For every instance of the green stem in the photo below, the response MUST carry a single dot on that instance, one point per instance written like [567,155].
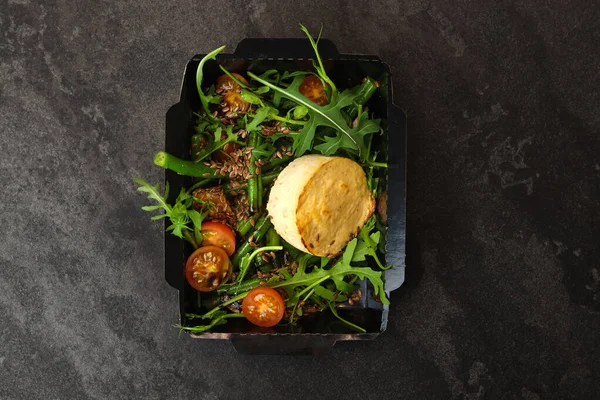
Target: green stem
[188,236]
[204,328]
[236,80]
[350,324]
[199,77]
[313,285]
[252,255]
[266,248]
[377,164]
[228,302]
[286,120]
[245,286]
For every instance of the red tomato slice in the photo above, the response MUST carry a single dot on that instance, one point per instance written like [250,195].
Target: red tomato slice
[263,306]
[207,268]
[312,88]
[218,234]
[231,92]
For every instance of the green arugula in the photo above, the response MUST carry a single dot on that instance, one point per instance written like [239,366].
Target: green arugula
[245,263]
[261,115]
[180,214]
[368,243]
[340,270]
[217,141]
[217,319]
[306,284]
[329,115]
[331,90]
[233,78]
[204,99]
[250,97]
[265,150]
[345,321]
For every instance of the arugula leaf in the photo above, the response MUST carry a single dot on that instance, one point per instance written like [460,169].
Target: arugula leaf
[219,318]
[264,150]
[328,294]
[319,68]
[261,90]
[196,219]
[368,243]
[333,143]
[250,97]
[261,114]
[337,273]
[200,75]
[180,214]
[329,115]
[217,142]
[288,74]
[363,248]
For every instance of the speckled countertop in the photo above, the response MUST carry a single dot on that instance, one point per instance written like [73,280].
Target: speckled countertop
[503,279]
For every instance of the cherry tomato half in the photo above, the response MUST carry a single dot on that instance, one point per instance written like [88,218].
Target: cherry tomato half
[312,88]
[208,268]
[263,306]
[224,82]
[218,234]
[231,92]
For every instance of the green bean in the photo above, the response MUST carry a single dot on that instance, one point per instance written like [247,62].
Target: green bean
[292,251]
[276,162]
[365,91]
[245,226]
[267,179]
[253,189]
[259,189]
[273,238]
[261,228]
[184,167]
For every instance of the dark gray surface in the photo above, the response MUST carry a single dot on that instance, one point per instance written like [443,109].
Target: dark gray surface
[502,299]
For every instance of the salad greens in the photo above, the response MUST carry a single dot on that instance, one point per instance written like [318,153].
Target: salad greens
[276,123]
[180,214]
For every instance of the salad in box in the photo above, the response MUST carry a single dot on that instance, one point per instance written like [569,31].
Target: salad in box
[284,195]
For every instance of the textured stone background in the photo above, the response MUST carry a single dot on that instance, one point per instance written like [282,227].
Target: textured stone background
[503,292]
